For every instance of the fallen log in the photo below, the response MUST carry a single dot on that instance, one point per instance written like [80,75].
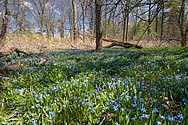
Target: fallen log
[19,51]
[116,43]
[121,44]
[3,54]
[11,67]
[11,51]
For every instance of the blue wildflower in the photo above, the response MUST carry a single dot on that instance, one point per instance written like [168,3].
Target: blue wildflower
[155,110]
[126,84]
[64,106]
[51,114]
[88,123]
[143,110]
[134,118]
[180,117]
[120,99]
[144,116]
[126,117]
[109,97]
[92,111]
[126,96]
[38,106]
[171,118]
[97,120]
[122,109]
[162,117]
[117,123]
[115,107]
[98,97]
[134,105]
[16,112]
[56,88]
[185,101]
[113,79]
[183,89]
[177,77]
[34,122]
[158,123]
[141,99]
[106,103]
[164,105]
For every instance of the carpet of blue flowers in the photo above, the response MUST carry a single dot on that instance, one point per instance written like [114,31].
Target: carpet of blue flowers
[113,87]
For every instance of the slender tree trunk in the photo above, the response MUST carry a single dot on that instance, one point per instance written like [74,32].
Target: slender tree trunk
[135,27]
[83,21]
[75,20]
[105,21]
[183,39]
[62,32]
[91,20]
[149,20]
[156,21]
[5,22]
[162,22]
[127,23]
[182,24]
[98,5]
[124,24]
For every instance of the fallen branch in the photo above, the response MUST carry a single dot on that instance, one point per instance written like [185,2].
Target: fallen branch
[118,43]
[3,54]
[11,67]
[41,61]
[18,51]
[13,50]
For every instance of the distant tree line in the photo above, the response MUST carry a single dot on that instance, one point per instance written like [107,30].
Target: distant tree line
[124,20]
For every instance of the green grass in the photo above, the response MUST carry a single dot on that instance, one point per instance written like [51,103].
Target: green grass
[116,86]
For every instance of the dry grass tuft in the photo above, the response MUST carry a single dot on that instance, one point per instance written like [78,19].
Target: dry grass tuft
[36,43]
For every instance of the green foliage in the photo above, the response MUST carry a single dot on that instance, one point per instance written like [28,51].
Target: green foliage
[117,86]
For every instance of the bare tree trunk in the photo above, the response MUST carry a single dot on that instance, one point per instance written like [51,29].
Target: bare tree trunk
[127,23]
[105,20]
[162,22]
[5,22]
[124,24]
[91,20]
[83,21]
[62,32]
[75,20]
[182,24]
[98,6]
[156,21]
[135,24]
[183,39]
[149,20]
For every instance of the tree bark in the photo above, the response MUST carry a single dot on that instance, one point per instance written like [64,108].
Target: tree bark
[75,20]
[149,21]
[182,24]
[162,22]
[98,5]
[121,44]
[5,22]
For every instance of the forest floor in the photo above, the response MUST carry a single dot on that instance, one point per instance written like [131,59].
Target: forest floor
[116,86]
[38,44]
